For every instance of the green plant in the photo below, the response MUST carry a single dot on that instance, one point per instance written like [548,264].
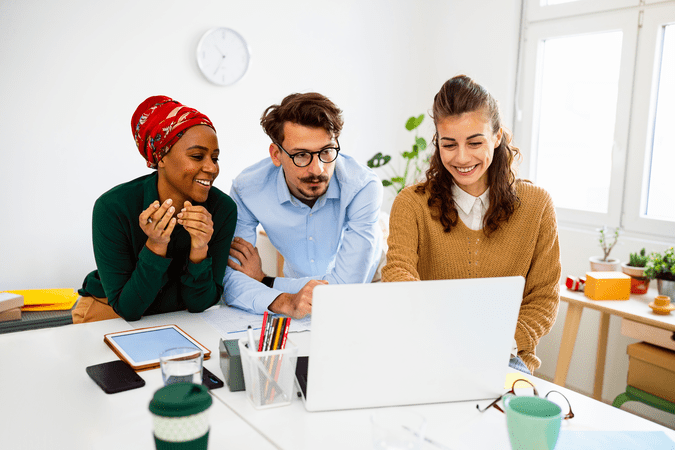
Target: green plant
[638,259]
[661,265]
[605,238]
[415,162]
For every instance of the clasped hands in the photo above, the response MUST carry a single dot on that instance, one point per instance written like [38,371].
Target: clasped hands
[158,222]
[296,306]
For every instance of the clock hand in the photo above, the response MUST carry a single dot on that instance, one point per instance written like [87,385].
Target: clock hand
[219,65]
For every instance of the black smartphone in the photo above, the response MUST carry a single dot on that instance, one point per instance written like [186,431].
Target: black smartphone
[115,376]
[210,380]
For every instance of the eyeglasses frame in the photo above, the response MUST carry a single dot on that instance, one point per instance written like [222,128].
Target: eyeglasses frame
[536,393]
[311,154]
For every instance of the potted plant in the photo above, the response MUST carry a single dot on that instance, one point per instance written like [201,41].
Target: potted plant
[635,267]
[608,239]
[416,160]
[662,267]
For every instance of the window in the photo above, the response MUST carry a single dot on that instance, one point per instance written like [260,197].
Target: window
[596,106]
[660,193]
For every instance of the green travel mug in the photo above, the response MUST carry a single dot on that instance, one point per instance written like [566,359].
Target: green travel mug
[533,422]
[180,417]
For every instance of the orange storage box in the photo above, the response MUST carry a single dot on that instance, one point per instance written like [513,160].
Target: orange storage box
[652,369]
[607,286]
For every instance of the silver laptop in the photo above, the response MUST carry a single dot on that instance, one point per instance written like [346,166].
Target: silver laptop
[386,344]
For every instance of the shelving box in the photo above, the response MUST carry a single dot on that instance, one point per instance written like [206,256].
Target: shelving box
[652,369]
[607,286]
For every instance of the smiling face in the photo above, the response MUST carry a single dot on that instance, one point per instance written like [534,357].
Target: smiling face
[187,172]
[309,183]
[466,147]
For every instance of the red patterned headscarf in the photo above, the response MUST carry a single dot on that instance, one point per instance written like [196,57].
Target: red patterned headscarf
[159,122]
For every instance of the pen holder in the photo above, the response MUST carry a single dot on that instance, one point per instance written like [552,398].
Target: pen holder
[269,376]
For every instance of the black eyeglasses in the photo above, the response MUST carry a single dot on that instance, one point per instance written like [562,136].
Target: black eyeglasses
[525,391]
[304,158]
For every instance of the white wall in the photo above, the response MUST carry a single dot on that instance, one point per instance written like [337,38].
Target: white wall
[72,73]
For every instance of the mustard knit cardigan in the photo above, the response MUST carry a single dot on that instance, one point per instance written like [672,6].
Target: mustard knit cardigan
[526,245]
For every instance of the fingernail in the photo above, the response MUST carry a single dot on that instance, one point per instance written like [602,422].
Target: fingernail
[180,215]
[168,201]
[172,209]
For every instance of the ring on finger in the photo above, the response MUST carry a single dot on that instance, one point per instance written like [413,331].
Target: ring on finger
[149,219]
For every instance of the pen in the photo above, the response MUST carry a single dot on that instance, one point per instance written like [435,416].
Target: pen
[251,339]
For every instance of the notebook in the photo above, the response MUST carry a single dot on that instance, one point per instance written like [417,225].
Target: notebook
[387,344]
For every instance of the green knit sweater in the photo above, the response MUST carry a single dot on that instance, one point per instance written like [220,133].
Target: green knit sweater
[138,282]
[526,245]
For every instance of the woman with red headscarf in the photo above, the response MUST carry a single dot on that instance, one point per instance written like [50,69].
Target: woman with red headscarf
[161,241]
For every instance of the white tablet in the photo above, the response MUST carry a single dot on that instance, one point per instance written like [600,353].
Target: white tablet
[141,348]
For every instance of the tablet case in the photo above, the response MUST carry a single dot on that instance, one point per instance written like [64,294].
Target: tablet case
[106,339]
[115,376]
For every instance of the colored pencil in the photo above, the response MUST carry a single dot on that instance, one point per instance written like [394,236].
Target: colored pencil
[262,332]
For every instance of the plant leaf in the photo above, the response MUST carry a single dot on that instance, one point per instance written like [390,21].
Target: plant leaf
[398,179]
[386,183]
[378,160]
[410,124]
[414,122]
[421,143]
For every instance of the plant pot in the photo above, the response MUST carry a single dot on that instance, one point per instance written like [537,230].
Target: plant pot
[639,284]
[598,265]
[666,287]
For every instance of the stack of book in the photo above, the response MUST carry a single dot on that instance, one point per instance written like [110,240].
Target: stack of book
[10,306]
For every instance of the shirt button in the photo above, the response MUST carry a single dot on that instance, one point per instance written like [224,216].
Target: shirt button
[311,260]
[310,238]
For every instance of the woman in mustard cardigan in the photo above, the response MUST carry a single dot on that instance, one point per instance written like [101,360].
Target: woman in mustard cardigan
[472,218]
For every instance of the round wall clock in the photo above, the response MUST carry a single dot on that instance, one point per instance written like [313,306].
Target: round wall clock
[223,56]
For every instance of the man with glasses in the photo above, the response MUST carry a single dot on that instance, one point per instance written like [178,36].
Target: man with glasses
[319,207]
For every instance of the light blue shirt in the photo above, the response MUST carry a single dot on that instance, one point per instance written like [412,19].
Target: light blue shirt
[338,240]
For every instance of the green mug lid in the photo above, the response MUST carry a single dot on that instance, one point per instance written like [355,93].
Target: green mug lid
[180,399]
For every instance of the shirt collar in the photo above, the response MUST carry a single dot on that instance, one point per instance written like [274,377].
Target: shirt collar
[465,201]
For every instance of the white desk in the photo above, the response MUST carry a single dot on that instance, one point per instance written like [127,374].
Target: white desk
[455,425]
[50,402]
[47,400]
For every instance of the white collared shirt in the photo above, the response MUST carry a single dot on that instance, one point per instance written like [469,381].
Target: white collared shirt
[471,211]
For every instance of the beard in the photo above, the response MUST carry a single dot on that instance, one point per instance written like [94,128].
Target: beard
[313,192]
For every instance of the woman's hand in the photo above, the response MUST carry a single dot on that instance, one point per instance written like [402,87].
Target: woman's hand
[197,221]
[157,223]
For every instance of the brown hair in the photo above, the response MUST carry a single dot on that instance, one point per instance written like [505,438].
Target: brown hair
[457,96]
[310,109]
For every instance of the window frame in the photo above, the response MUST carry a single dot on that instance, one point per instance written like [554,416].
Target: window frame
[642,126]
[527,125]
[537,12]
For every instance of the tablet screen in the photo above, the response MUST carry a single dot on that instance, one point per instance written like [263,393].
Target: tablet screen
[147,345]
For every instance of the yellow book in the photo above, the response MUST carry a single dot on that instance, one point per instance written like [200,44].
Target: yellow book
[47,299]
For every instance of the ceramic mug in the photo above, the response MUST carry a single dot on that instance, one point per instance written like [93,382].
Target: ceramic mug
[533,422]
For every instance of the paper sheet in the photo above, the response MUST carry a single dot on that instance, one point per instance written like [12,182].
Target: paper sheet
[615,440]
[227,321]
[47,299]
[513,376]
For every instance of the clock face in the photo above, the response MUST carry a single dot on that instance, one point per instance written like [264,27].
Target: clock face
[223,56]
